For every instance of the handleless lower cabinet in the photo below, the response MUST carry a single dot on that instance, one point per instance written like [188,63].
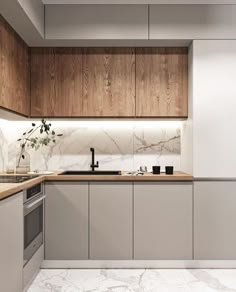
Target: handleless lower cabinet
[66,221]
[162,221]
[111,220]
[214,220]
[11,244]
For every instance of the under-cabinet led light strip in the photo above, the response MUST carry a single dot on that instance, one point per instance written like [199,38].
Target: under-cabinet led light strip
[108,124]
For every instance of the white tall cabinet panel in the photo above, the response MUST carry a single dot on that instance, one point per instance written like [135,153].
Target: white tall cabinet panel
[214,108]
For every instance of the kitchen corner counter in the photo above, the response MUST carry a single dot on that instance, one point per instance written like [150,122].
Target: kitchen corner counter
[8,189]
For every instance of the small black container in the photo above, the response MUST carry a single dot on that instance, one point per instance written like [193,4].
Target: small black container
[156,169]
[169,169]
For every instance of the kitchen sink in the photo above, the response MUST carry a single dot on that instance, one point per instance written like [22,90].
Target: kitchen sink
[90,172]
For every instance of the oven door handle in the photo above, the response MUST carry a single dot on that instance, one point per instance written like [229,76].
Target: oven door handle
[28,206]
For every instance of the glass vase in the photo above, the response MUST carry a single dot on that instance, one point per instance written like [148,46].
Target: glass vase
[23,162]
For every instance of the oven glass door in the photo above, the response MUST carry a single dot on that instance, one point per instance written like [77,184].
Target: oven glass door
[33,229]
[33,225]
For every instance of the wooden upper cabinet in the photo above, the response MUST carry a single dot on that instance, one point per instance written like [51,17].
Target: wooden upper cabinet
[14,71]
[72,82]
[161,82]
[109,82]
[56,82]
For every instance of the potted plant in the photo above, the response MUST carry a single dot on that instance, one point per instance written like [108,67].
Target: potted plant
[38,136]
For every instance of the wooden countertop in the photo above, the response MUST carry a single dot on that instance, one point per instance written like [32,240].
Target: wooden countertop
[177,176]
[8,189]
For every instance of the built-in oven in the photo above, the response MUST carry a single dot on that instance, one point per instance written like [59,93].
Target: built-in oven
[33,220]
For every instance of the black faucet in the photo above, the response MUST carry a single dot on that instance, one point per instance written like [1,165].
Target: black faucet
[93,166]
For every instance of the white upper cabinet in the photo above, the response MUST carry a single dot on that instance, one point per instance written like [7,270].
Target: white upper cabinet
[192,22]
[96,22]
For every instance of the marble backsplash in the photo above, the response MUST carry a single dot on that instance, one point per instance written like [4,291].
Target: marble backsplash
[120,145]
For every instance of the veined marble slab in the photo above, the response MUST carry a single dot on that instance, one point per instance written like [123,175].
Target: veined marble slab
[135,280]
[122,145]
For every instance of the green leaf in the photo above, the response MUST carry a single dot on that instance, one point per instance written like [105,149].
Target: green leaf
[53,133]
[18,140]
[23,156]
[30,131]
[59,135]
[33,124]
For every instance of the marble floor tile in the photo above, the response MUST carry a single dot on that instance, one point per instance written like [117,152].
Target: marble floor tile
[134,280]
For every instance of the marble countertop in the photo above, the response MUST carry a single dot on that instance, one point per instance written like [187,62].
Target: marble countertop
[8,189]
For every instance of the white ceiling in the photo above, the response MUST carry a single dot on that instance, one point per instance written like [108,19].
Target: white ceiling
[139,1]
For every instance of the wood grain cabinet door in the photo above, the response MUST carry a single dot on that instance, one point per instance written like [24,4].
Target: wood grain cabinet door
[109,82]
[14,71]
[161,82]
[56,82]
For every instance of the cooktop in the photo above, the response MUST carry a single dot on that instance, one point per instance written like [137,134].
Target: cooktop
[15,178]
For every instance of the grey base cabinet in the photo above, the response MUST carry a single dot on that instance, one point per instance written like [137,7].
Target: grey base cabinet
[32,268]
[215,220]
[162,221]
[11,244]
[110,219]
[66,221]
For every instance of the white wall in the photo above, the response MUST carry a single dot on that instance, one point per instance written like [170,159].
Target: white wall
[214,108]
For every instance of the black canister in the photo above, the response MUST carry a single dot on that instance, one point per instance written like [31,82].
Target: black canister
[169,169]
[156,169]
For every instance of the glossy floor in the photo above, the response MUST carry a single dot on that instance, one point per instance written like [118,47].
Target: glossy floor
[126,280]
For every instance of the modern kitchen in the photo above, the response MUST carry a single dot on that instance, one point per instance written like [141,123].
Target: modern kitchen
[117,148]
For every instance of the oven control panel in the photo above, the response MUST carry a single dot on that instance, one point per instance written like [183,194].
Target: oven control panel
[33,191]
